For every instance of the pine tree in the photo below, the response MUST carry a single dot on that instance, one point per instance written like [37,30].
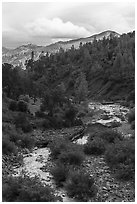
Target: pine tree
[81,88]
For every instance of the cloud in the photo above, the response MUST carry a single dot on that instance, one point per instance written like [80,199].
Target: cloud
[55,28]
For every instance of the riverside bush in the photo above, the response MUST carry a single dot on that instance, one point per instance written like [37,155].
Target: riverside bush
[66,152]
[8,147]
[131,116]
[110,136]
[57,146]
[26,141]
[80,185]
[25,189]
[72,156]
[95,147]
[22,122]
[22,106]
[133,125]
[121,156]
[13,106]
[60,173]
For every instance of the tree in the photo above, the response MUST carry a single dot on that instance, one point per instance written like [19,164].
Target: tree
[81,88]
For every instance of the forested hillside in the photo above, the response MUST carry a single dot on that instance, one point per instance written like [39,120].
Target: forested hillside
[68,125]
[105,69]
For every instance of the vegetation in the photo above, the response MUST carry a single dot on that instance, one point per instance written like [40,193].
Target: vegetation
[131,116]
[63,81]
[60,173]
[22,122]
[8,147]
[95,147]
[121,158]
[80,185]
[25,189]
[104,69]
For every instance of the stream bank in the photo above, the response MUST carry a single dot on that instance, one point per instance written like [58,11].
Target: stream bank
[109,189]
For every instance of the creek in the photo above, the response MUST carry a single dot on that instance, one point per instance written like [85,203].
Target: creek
[34,161]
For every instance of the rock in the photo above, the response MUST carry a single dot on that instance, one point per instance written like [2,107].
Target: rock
[104,188]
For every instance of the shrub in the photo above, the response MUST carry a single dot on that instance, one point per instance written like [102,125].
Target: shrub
[40,114]
[22,122]
[60,173]
[95,147]
[110,136]
[24,98]
[72,156]
[133,125]
[26,141]
[131,116]
[70,114]
[46,123]
[131,96]
[78,122]
[13,106]
[25,189]
[8,147]
[125,172]
[22,106]
[105,117]
[57,146]
[121,156]
[27,127]
[115,124]
[80,185]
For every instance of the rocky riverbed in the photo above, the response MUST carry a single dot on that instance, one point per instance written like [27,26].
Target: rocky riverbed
[38,162]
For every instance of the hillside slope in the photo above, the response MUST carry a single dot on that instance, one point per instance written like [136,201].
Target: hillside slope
[19,55]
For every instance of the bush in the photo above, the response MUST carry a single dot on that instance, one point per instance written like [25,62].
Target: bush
[24,98]
[60,173]
[46,124]
[40,114]
[27,127]
[22,106]
[71,156]
[70,114]
[57,146]
[133,125]
[22,122]
[25,189]
[78,122]
[13,106]
[26,141]
[95,147]
[131,116]
[110,136]
[8,147]
[115,124]
[105,117]
[131,96]
[80,185]
[121,156]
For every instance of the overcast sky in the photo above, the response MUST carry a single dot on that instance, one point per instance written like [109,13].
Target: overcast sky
[48,22]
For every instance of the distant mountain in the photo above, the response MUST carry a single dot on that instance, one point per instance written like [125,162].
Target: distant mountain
[19,55]
[68,44]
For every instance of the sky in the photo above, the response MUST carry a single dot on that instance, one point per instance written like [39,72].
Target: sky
[43,23]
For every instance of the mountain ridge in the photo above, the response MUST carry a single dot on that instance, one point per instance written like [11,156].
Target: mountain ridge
[19,55]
